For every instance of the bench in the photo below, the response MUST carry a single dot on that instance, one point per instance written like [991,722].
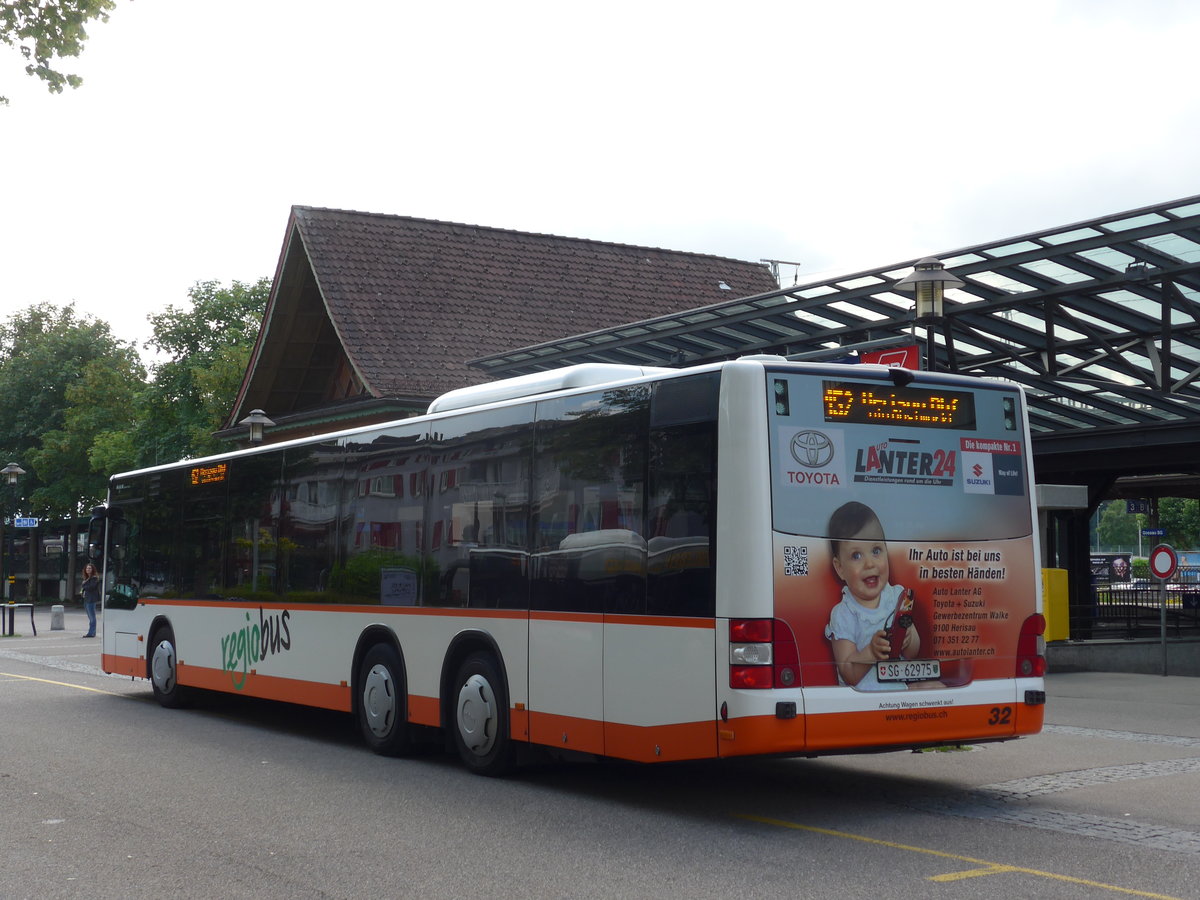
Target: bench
[8,621]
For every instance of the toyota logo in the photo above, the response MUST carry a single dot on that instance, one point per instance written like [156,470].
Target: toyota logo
[812,449]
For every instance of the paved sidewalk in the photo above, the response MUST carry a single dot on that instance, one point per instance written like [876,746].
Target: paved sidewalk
[75,625]
[1146,704]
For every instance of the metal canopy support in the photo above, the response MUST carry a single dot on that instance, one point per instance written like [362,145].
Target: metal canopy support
[1097,319]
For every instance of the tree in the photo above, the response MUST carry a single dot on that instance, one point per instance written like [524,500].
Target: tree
[209,346]
[75,460]
[45,31]
[1118,529]
[64,379]
[1180,516]
[66,386]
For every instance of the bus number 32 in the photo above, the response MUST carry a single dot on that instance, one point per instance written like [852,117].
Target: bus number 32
[1000,715]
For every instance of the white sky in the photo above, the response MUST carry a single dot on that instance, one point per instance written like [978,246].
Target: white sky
[843,135]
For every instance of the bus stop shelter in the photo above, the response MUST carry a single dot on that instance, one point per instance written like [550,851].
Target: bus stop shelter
[1098,320]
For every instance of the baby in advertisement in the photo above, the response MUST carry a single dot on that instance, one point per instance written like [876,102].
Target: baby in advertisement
[872,622]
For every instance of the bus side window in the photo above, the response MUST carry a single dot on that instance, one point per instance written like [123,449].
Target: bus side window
[308,520]
[590,487]
[682,490]
[479,514]
[380,554]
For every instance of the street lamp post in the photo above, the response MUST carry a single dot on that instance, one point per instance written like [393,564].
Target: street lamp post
[928,282]
[12,473]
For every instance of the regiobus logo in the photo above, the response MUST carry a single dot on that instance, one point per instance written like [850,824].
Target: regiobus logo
[818,454]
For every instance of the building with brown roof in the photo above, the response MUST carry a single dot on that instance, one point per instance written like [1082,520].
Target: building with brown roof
[371,316]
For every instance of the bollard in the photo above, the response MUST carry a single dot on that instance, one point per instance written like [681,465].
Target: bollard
[56,618]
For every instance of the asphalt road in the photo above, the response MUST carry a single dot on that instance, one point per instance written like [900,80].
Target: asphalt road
[105,795]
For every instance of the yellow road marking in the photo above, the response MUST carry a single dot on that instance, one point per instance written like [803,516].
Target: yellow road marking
[985,867]
[61,684]
[972,873]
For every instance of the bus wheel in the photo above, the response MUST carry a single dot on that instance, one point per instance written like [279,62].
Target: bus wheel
[381,716]
[164,670]
[481,730]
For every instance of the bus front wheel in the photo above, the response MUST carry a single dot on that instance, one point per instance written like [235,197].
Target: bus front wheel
[381,702]
[164,670]
[481,720]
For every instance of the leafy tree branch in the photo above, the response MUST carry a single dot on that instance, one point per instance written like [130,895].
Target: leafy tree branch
[45,31]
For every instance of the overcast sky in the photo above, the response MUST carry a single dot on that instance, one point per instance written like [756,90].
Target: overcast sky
[841,135]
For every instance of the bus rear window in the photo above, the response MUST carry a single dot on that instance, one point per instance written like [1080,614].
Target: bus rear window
[936,461]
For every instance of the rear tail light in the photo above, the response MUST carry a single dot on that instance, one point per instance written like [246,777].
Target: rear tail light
[762,654]
[1031,648]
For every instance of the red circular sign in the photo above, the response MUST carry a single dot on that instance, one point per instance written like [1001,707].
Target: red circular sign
[1163,562]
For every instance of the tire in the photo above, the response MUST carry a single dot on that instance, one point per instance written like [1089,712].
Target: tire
[382,716]
[481,717]
[164,670]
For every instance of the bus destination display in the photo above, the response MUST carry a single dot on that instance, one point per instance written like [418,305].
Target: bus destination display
[885,404]
[209,474]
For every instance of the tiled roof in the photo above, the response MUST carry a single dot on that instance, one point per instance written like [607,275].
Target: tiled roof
[413,299]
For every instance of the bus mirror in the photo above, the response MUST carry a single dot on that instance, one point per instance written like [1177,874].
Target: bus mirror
[118,536]
[95,540]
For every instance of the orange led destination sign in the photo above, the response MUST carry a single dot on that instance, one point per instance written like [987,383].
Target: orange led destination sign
[877,404]
[210,474]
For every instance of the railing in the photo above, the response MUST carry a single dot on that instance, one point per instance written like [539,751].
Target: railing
[1137,608]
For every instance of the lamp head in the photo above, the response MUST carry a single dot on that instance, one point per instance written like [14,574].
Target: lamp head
[928,282]
[256,422]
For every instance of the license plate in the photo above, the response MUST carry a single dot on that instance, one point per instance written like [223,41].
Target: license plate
[908,670]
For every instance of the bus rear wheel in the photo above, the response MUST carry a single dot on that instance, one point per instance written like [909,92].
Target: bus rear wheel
[381,702]
[481,719]
[164,670]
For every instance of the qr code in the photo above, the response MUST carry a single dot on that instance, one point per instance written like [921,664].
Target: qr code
[795,560]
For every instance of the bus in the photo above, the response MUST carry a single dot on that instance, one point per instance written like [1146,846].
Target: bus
[620,561]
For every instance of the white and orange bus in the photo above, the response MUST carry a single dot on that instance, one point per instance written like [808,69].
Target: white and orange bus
[637,563]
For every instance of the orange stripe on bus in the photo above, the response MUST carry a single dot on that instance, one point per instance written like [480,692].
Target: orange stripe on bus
[268,687]
[877,728]
[607,619]
[135,667]
[518,724]
[655,743]
[567,732]
[424,710]
[339,607]
[537,615]
[456,611]
[662,621]
[661,743]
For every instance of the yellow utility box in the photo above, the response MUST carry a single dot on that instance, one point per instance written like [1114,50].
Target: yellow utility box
[1054,604]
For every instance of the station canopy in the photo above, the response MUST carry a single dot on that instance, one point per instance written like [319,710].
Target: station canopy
[1098,320]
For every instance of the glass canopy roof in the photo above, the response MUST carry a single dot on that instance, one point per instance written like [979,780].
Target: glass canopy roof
[1098,320]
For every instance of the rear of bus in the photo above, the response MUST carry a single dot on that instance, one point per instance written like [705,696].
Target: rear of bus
[901,605]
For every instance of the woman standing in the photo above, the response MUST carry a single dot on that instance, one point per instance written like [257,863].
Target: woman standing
[90,590]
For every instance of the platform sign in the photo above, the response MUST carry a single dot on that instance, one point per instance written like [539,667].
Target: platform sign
[25,522]
[1163,562]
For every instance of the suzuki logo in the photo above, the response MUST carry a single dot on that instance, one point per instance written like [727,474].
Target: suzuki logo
[812,449]
[977,470]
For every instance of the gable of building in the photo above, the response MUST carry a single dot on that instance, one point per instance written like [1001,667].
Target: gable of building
[374,315]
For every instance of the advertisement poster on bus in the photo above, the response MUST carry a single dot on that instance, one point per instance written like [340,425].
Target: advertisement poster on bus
[903,542]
